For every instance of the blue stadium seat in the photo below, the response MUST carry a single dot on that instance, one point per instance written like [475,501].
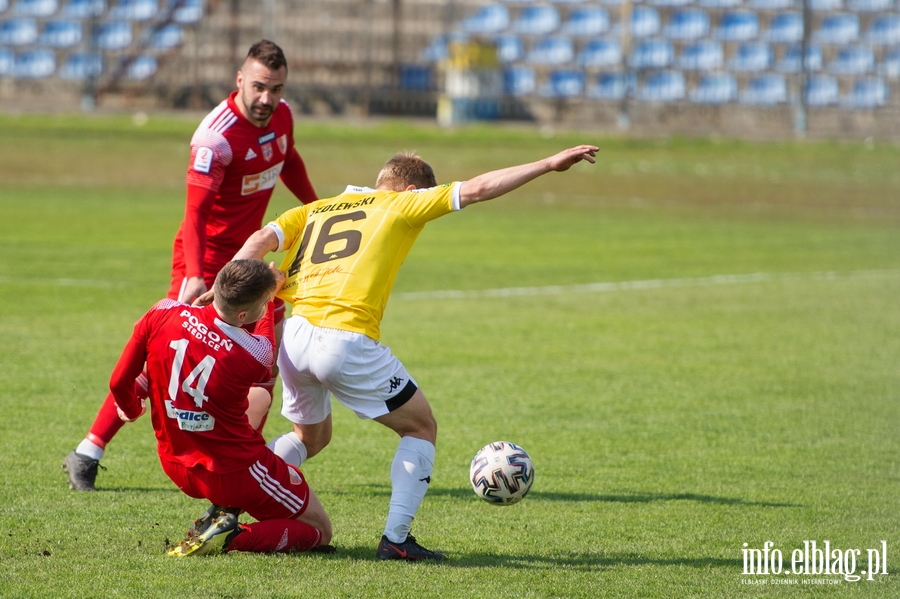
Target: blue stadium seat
[18,32]
[7,60]
[585,21]
[687,24]
[866,93]
[738,26]
[853,60]
[519,81]
[751,57]
[644,21]
[600,53]
[34,64]
[80,66]
[772,5]
[142,68]
[662,86]
[489,19]
[611,86]
[555,50]
[869,5]
[415,77]
[837,29]
[720,88]
[563,84]
[785,28]
[791,62]
[821,90]
[539,19]
[134,10]
[189,12]
[704,55]
[652,54]
[168,37]
[718,4]
[113,35]
[61,34]
[509,48]
[83,9]
[884,30]
[890,65]
[765,90]
[35,8]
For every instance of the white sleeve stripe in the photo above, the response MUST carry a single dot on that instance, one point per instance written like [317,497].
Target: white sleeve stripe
[456,189]
[279,234]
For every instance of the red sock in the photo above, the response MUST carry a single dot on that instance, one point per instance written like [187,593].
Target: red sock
[107,423]
[275,536]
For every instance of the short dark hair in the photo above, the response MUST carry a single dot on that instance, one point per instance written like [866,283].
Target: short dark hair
[241,284]
[406,168]
[268,54]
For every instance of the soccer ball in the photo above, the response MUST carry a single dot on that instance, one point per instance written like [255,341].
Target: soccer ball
[501,473]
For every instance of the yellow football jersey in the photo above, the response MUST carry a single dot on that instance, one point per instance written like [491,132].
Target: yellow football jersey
[343,253]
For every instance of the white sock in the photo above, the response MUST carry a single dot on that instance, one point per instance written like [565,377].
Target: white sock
[290,448]
[91,450]
[410,475]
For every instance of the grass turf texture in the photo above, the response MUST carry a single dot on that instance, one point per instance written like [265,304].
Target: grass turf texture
[670,421]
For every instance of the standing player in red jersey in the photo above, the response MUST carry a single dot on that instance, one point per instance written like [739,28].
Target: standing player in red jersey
[238,153]
[200,365]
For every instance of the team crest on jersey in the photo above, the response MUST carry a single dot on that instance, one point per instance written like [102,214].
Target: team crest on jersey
[267,152]
[282,144]
[296,479]
[250,154]
[203,159]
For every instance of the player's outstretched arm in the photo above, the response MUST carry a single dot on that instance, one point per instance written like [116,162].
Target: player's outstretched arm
[257,246]
[496,183]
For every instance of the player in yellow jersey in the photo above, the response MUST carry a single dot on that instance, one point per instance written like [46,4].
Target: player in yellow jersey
[343,255]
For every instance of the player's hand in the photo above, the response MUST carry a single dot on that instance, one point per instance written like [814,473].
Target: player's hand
[125,418]
[565,159]
[205,299]
[279,276]
[194,287]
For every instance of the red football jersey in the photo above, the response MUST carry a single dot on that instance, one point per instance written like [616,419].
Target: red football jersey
[237,164]
[200,370]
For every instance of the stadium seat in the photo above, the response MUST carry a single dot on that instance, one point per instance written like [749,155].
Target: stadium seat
[80,66]
[415,77]
[568,1]
[189,12]
[687,24]
[853,60]
[142,68]
[554,50]
[7,60]
[61,34]
[518,81]
[821,90]
[34,64]
[19,31]
[785,28]
[720,88]
[791,62]
[599,53]
[765,90]
[83,9]
[869,5]
[890,65]
[509,48]
[134,10]
[611,86]
[866,93]
[539,19]
[773,5]
[704,55]
[168,37]
[113,35]
[662,86]
[563,84]
[652,54]
[586,21]
[738,26]
[35,8]
[837,29]
[825,5]
[644,21]
[884,30]
[670,3]
[489,19]
[718,4]
[751,57]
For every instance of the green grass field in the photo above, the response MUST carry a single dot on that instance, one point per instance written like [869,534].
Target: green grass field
[697,341]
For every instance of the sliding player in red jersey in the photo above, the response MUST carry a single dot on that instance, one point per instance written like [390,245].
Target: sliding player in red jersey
[200,365]
[238,153]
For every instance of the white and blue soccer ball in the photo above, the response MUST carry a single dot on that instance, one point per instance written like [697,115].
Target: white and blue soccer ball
[501,473]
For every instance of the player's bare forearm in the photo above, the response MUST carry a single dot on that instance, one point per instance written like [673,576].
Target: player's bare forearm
[497,183]
[258,245]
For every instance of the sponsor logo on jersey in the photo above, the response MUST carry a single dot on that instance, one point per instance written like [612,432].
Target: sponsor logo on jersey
[189,420]
[260,181]
[267,152]
[266,138]
[203,159]
[282,143]
[250,154]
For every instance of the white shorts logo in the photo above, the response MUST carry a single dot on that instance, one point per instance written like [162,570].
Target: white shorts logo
[264,180]
[203,159]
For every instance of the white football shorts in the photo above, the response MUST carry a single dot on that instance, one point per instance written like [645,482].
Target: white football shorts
[361,373]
